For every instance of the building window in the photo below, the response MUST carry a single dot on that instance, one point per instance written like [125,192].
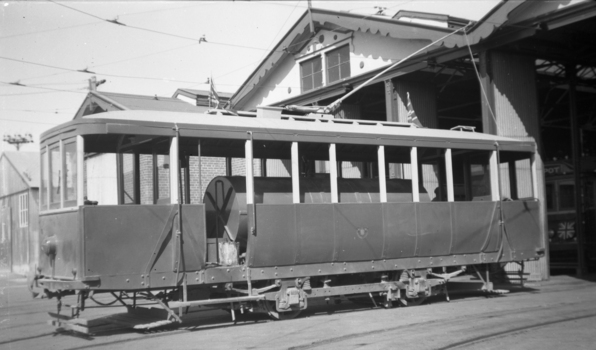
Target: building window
[311,72]
[24,210]
[338,64]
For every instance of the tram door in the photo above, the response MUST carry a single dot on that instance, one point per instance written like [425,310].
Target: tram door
[562,231]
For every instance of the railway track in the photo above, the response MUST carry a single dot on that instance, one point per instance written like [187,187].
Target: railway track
[465,323]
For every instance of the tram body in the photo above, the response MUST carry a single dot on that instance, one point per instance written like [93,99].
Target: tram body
[423,203]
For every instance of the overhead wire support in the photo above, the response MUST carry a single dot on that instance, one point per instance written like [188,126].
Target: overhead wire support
[199,40]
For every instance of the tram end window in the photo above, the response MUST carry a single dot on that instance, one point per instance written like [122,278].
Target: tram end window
[55,176]
[70,173]
[398,172]
[516,177]
[471,175]
[44,180]
[432,174]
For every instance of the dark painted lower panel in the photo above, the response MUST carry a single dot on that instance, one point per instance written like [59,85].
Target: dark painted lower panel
[63,230]
[359,231]
[522,222]
[121,240]
[475,227]
[434,229]
[400,230]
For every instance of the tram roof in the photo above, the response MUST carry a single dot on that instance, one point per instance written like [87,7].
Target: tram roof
[287,128]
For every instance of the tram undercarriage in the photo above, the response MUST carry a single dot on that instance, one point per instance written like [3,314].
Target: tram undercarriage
[280,299]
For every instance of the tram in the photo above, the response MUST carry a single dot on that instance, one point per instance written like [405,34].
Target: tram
[564,246]
[287,222]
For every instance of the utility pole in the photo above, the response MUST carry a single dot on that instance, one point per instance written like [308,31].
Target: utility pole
[18,139]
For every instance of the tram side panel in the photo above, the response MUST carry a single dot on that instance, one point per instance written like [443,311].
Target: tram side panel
[61,245]
[522,225]
[301,234]
[124,247]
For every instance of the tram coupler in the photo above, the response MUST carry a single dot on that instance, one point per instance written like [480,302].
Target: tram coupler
[290,297]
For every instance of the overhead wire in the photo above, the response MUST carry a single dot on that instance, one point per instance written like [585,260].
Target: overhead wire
[114,62]
[163,79]
[29,121]
[260,59]
[199,40]
[39,87]
[47,30]
[28,93]
[33,111]
[87,24]
[86,71]
[136,77]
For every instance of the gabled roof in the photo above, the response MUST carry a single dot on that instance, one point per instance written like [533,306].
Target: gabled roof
[192,93]
[97,102]
[300,34]
[26,164]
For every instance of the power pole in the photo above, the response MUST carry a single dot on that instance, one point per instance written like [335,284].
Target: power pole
[18,139]
[93,83]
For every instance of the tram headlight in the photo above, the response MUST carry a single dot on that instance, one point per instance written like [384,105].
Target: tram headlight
[49,246]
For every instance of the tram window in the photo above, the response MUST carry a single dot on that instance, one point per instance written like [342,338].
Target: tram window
[321,167]
[278,168]
[70,171]
[128,178]
[44,180]
[162,179]
[101,178]
[55,176]
[471,175]
[239,167]
[146,178]
[516,175]
[566,196]
[399,176]
[353,170]
[399,171]
[431,162]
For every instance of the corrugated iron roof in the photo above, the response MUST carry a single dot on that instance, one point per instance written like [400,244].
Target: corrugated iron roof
[155,103]
[26,164]
[99,102]
[203,93]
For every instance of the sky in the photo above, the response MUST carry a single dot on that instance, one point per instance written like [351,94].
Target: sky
[147,48]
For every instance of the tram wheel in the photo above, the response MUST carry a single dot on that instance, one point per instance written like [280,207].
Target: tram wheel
[403,301]
[269,306]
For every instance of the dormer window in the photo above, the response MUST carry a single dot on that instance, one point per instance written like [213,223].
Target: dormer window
[338,64]
[311,72]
